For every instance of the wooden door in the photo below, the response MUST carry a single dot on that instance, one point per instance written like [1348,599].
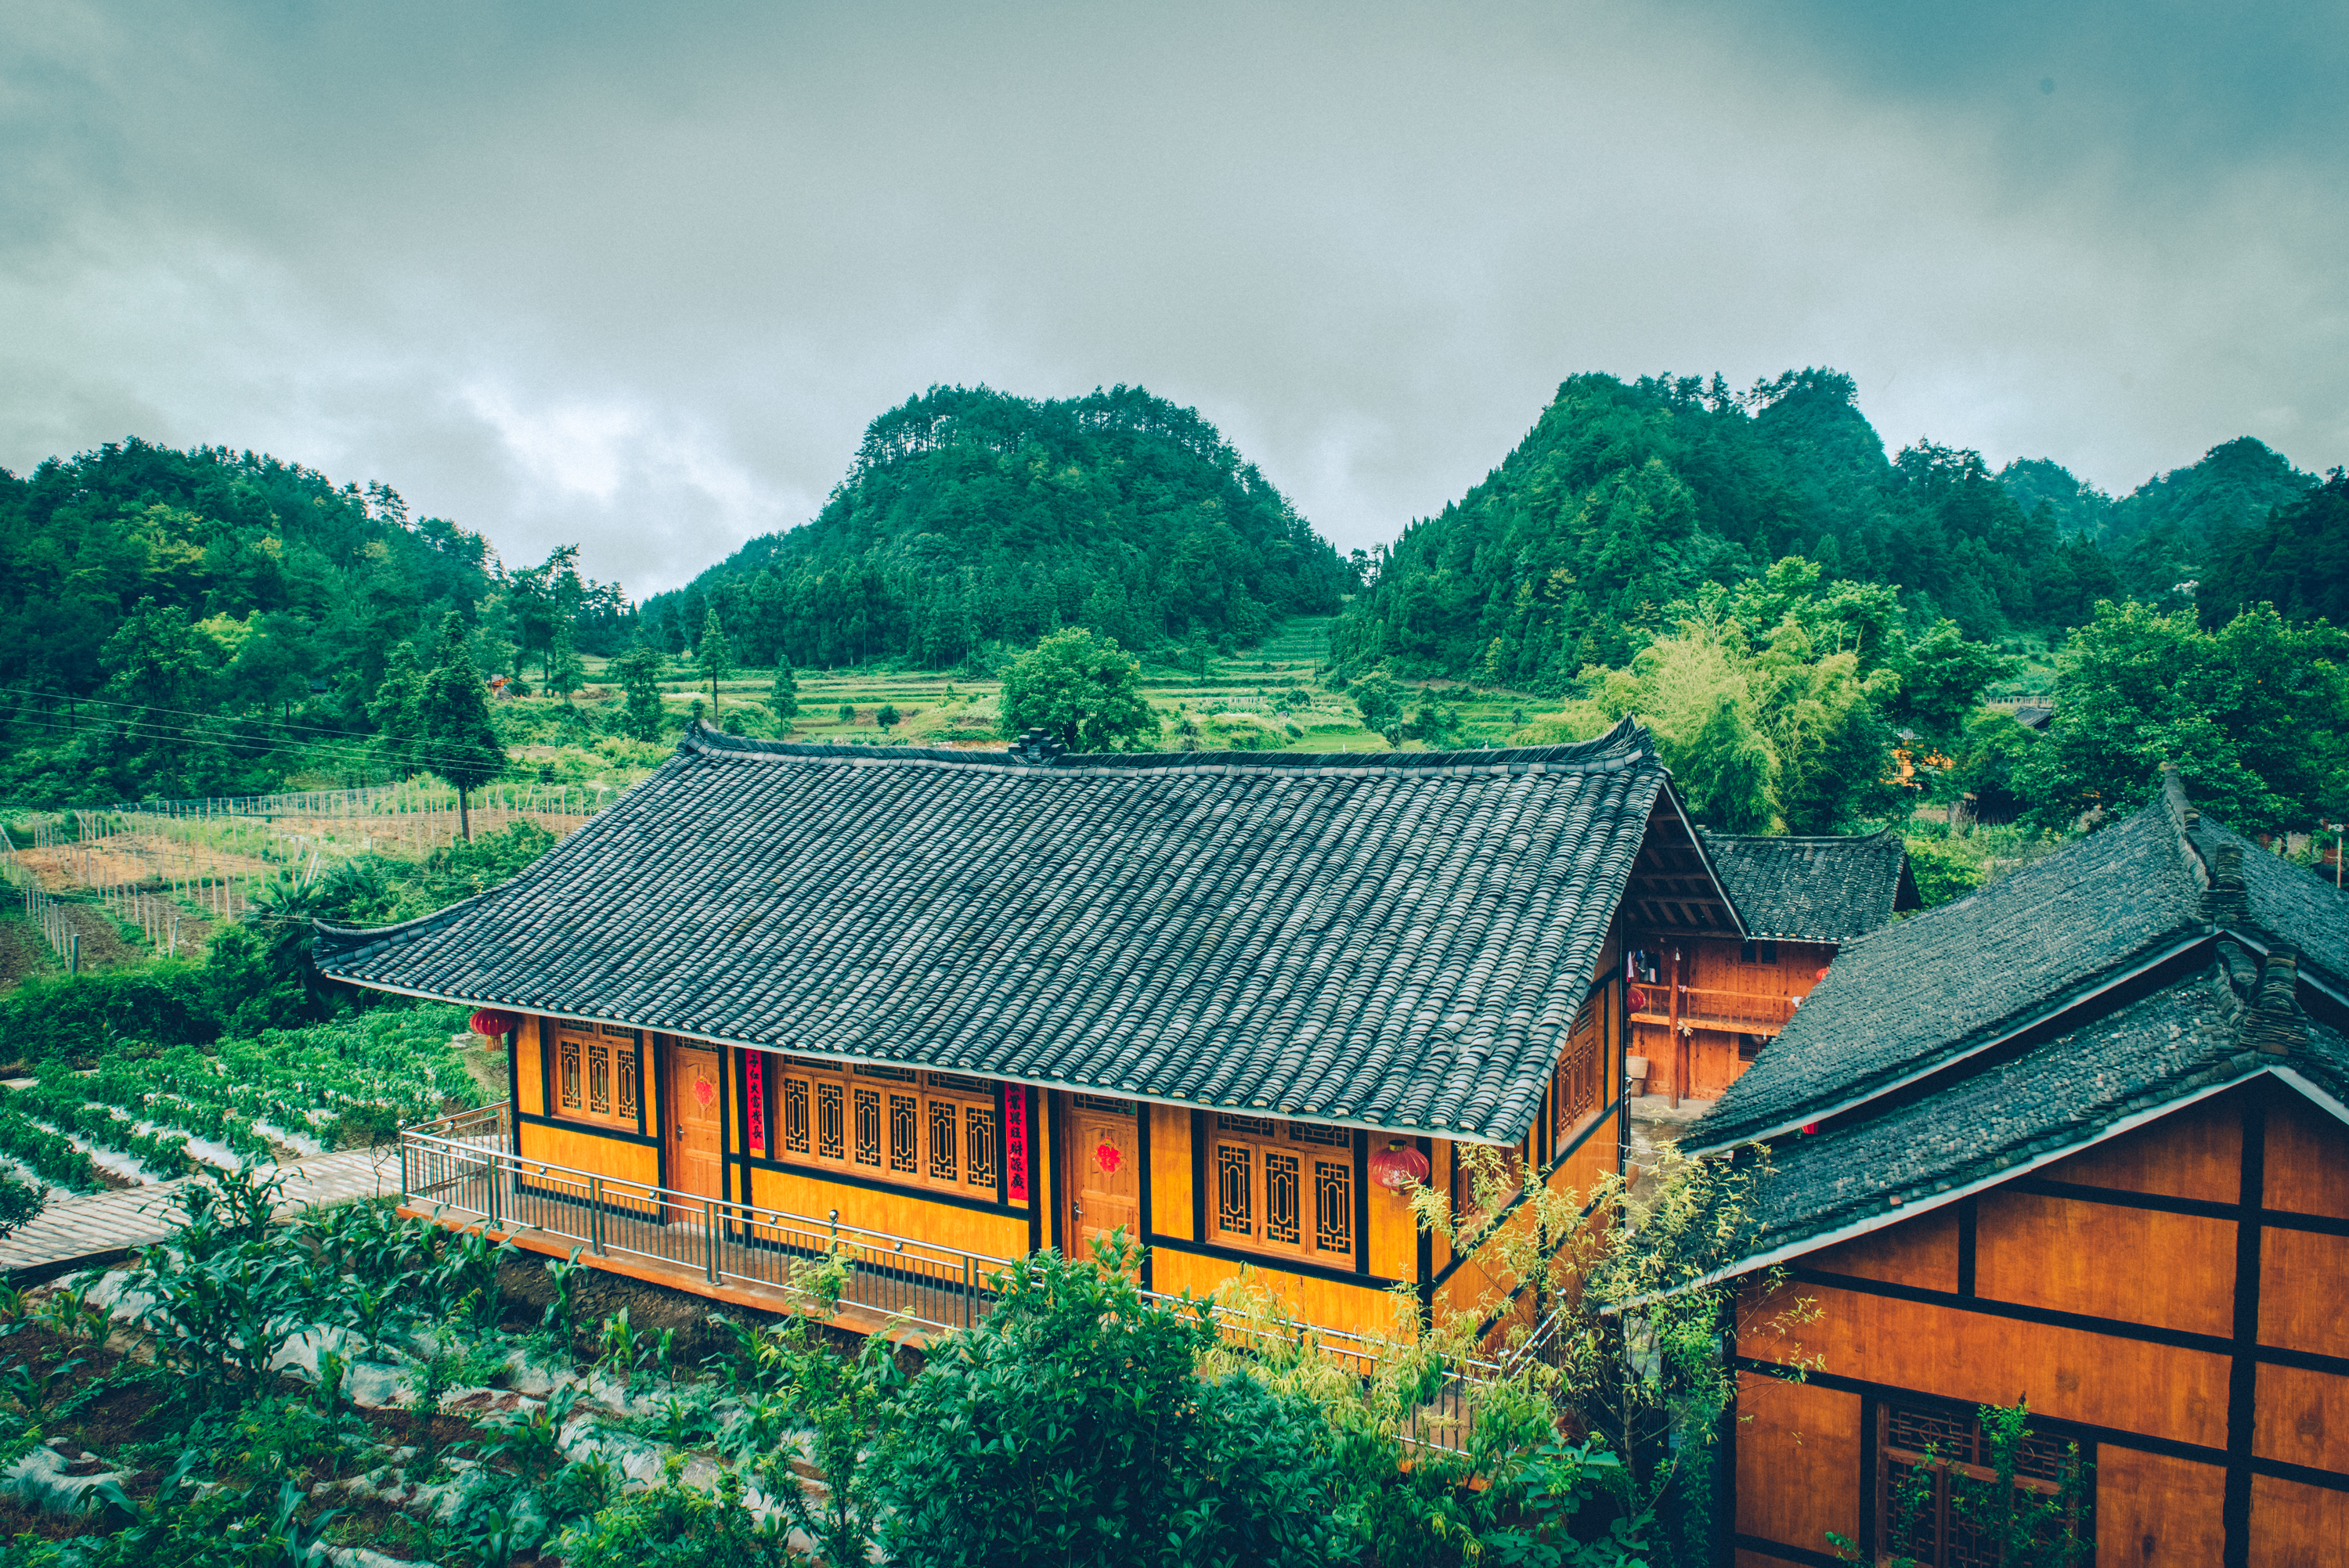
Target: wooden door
[1101,1153]
[694,1109]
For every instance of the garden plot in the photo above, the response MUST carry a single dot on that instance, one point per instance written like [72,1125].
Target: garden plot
[170,1112]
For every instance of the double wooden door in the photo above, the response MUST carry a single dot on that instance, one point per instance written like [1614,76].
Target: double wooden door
[1100,1156]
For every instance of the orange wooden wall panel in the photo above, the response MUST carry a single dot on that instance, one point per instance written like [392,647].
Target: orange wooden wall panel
[1922,1252]
[2154,1511]
[2302,1305]
[898,1214]
[2067,1373]
[2307,1160]
[2138,1265]
[2303,1420]
[1394,1234]
[1358,1309]
[2297,1526]
[1798,1462]
[582,1150]
[1170,1171]
[2193,1153]
[530,1092]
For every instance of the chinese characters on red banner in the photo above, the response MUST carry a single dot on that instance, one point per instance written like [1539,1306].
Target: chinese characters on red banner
[755,1093]
[1015,1143]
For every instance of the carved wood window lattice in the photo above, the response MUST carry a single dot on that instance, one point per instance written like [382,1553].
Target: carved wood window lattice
[1578,1089]
[1285,1187]
[940,1132]
[598,1069]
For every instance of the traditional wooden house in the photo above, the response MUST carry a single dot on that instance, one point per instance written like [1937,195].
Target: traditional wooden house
[1705,1000]
[2076,1139]
[946,1007]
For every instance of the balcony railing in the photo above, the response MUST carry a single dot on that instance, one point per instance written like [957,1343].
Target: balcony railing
[464,1166]
[1733,1012]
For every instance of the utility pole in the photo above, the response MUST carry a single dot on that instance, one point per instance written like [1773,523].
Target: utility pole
[2336,828]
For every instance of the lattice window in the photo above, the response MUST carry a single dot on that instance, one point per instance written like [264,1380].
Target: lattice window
[830,1122]
[795,1117]
[905,1134]
[1234,1190]
[1104,1104]
[598,1071]
[1272,1195]
[1333,1207]
[979,1144]
[941,1133]
[1936,1477]
[1281,1220]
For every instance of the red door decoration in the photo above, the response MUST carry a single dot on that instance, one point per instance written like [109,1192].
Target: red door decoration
[705,1091]
[1015,1143]
[1109,1157]
[489,1021]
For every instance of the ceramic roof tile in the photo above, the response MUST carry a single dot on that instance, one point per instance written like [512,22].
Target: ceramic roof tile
[1813,889]
[1391,940]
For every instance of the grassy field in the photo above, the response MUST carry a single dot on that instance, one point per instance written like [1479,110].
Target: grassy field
[1270,699]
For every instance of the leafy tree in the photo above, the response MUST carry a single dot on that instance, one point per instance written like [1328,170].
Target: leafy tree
[640,673]
[784,697]
[2297,561]
[398,710]
[1942,872]
[1083,688]
[460,743]
[1942,678]
[2255,714]
[712,656]
[887,717]
[847,713]
[565,671]
[1380,702]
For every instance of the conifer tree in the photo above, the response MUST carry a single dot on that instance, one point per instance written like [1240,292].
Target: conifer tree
[639,672]
[397,709]
[714,656]
[784,697]
[458,743]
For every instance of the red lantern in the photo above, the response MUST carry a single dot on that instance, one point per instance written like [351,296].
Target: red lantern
[491,1022]
[1823,972]
[1636,999]
[1397,1166]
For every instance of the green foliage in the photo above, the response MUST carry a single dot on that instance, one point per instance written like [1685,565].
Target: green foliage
[1083,687]
[1070,1427]
[460,745]
[2298,560]
[783,695]
[398,710]
[674,1525]
[974,518]
[1942,873]
[713,656]
[1380,702]
[887,717]
[844,1404]
[2255,714]
[2014,1526]
[168,1002]
[640,672]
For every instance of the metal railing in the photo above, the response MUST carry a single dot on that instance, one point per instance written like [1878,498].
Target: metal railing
[465,1165]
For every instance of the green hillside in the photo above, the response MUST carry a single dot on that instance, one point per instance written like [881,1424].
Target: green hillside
[972,517]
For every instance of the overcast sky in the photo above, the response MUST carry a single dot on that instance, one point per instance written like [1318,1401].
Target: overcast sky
[637,275]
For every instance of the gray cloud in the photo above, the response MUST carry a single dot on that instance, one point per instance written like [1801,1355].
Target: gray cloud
[638,278]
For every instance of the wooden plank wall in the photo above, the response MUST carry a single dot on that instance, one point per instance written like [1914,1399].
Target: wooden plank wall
[2172,1296]
[1712,964]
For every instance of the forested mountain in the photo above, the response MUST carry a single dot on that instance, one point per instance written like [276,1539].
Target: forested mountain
[2165,532]
[974,517]
[1627,497]
[181,620]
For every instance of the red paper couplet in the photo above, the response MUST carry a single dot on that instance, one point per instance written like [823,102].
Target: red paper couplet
[1015,1143]
[755,1091]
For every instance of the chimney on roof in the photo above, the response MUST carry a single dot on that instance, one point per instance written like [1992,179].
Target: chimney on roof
[1040,747]
[2275,1023]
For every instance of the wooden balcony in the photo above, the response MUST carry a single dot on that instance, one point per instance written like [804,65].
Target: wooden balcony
[1726,1012]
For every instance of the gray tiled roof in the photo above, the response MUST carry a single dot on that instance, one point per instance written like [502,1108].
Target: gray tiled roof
[2055,1097]
[1814,889]
[2290,902]
[1944,982]
[1393,940]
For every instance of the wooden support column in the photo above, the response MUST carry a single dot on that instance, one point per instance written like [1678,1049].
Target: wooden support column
[1680,1041]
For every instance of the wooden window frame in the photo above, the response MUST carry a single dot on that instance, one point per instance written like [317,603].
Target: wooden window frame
[1282,1189]
[597,1074]
[1579,1088]
[902,1126]
[1896,1449]
[1764,954]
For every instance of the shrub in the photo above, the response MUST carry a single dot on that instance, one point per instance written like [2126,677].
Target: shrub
[674,1525]
[1070,1428]
[168,1003]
